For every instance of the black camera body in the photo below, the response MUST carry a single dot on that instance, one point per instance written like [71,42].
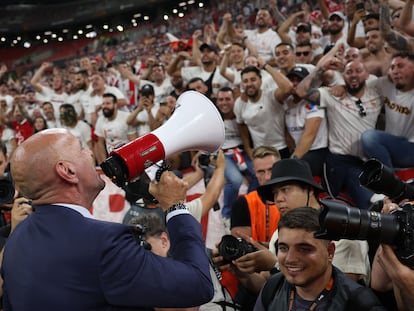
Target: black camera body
[338,221]
[7,190]
[231,248]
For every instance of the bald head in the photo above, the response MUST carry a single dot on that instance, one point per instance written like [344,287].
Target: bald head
[51,167]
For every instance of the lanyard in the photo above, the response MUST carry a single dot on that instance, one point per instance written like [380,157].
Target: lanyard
[320,297]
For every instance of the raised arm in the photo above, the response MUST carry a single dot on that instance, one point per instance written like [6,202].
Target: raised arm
[352,41]
[35,81]
[394,38]
[285,87]
[283,29]
[224,65]
[405,20]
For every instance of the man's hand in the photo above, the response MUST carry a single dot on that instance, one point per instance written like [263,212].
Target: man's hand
[261,260]
[21,209]
[169,191]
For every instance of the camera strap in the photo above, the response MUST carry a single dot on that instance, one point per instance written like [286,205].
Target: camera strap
[324,293]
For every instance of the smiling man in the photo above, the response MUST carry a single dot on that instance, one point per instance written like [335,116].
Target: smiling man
[308,280]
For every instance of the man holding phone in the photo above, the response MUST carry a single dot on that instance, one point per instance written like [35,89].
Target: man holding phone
[143,116]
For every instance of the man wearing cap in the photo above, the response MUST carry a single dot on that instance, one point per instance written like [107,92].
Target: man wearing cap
[336,23]
[307,125]
[292,186]
[143,116]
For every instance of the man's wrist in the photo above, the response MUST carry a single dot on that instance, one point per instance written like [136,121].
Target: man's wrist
[176,209]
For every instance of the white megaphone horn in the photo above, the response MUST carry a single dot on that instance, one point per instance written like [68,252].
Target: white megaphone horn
[196,124]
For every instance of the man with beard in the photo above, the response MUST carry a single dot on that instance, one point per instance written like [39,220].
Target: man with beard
[336,22]
[111,128]
[308,280]
[348,117]
[394,146]
[259,114]
[99,88]
[263,37]
[49,113]
[79,98]
[376,59]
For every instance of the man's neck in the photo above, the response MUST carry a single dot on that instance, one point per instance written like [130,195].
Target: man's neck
[312,291]
[262,29]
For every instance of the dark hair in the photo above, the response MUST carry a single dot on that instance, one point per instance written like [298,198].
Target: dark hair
[153,223]
[226,89]
[285,44]
[69,114]
[193,80]
[404,54]
[304,43]
[306,218]
[82,72]
[111,96]
[251,69]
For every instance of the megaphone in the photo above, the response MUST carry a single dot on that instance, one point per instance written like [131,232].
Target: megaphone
[196,124]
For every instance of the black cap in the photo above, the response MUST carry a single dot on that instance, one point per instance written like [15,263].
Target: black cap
[208,46]
[304,27]
[298,71]
[147,89]
[287,170]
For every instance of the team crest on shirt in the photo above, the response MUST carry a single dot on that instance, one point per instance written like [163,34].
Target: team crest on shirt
[311,107]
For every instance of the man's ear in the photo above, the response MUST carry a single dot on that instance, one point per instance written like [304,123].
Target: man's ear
[331,250]
[66,170]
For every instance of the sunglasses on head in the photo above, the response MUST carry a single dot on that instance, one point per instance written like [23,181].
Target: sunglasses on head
[362,112]
[304,53]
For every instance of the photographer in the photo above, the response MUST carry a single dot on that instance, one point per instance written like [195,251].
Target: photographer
[388,273]
[308,280]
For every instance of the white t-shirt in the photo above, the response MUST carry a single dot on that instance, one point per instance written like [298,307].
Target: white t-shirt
[143,117]
[296,116]
[345,123]
[162,91]
[265,42]
[115,132]
[196,71]
[265,120]
[81,131]
[80,100]
[399,108]
[232,135]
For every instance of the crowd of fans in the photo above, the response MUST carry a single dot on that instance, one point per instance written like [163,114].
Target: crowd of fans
[327,83]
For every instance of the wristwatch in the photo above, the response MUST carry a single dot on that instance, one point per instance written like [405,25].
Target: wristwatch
[176,207]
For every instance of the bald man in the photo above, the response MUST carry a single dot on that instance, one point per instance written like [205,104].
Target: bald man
[61,258]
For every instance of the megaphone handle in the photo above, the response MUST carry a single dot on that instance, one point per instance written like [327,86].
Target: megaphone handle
[164,167]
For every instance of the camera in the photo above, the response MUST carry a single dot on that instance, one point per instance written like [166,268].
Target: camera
[231,248]
[7,190]
[338,221]
[380,179]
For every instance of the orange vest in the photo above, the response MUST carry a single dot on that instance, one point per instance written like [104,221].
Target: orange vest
[264,218]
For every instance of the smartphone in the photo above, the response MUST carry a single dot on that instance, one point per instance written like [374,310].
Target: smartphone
[360,6]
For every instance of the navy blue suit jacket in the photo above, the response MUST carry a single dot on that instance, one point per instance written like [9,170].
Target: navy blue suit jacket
[58,259]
